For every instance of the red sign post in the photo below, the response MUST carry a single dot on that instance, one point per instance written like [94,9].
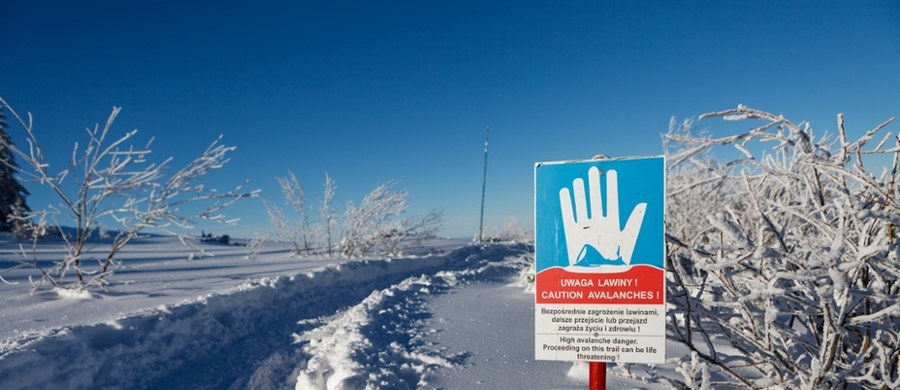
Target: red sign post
[597,376]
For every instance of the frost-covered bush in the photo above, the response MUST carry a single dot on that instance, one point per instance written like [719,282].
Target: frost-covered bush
[375,225]
[784,261]
[108,180]
[298,231]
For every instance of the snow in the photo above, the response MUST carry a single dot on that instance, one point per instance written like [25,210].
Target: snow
[449,315]
[498,336]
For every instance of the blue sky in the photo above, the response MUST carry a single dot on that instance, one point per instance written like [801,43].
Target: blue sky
[377,91]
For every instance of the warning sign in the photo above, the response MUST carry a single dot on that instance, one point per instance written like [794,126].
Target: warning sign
[600,260]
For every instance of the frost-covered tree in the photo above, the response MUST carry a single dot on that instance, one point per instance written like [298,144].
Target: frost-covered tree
[298,232]
[12,194]
[784,260]
[414,230]
[375,224]
[109,180]
[328,214]
[373,221]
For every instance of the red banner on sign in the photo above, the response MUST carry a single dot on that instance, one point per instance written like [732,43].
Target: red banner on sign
[642,284]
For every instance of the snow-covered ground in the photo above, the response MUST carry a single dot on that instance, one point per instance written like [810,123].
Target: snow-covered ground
[449,315]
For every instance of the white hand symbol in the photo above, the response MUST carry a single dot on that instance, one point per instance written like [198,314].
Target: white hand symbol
[598,231]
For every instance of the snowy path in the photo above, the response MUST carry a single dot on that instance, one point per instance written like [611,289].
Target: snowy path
[386,340]
[493,322]
[468,327]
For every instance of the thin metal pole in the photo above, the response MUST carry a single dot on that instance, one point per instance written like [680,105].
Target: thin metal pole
[483,184]
[597,376]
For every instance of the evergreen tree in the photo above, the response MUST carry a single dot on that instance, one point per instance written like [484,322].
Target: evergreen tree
[12,194]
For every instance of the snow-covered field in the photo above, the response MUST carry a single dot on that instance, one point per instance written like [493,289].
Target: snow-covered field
[449,315]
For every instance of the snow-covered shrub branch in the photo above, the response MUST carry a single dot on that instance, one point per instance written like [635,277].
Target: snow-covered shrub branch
[110,179]
[792,281]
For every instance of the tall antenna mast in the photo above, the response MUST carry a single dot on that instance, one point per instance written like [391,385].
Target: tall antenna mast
[483,184]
